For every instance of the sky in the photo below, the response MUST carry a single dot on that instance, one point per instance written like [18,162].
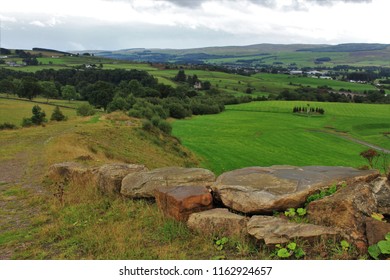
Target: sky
[122,24]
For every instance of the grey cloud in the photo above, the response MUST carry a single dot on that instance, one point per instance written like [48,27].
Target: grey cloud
[330,2]
[297,4]
[266,3]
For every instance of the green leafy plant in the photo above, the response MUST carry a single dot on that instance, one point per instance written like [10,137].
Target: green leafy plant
[345,245]
[323,193]
[220,243]
[381,249]
[377,216]
[296,215]
[290,212]
[291,249]
[301,212]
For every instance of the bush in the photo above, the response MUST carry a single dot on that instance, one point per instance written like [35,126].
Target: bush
[165,127]
[147,125]
[57,115]
[38,115]
[27,122]
[85,110]
[6,125]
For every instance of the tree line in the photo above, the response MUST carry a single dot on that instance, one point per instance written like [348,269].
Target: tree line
[136,92]
[326,94]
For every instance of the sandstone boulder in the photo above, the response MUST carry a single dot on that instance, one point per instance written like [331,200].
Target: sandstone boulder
[182,201]
[381,190]
[218,221]
[347,210]
[376,230]
[144,184]
[110,176]
[265,189]
[274,230]
[73,172]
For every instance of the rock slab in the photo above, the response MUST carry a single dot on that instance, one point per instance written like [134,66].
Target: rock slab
[376,230]
[257,190]
[274,230]
[381,190]
[110,176]
[144,184]
[73,172]
[180,202]
[218,221]
[347,210]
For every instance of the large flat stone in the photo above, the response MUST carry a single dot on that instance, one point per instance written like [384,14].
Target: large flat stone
[110,176]
[218,221]
[265,189]
[73,172]
[182,201]
[144,184]
[274,230]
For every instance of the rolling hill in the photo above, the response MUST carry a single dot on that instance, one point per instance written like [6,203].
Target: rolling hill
[303,55]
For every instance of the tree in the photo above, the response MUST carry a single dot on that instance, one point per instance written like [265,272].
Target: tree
[100,94]
[49,90]
[57,115]
[181,76]
[69,92]
[38,115]
[7,86]
[29,88]
[85,110]
[206,85]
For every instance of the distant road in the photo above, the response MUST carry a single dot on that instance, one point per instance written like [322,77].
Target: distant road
[349,138]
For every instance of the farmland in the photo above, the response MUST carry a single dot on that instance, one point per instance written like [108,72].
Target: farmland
[267,133]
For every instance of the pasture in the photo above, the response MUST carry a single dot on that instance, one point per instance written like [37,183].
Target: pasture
[13,111]
[268,133]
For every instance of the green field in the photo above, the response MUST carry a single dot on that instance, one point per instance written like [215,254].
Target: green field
[263,82]
[13,111]
[267,133]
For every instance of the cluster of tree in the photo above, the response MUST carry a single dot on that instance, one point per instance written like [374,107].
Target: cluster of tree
[4,51]
[39,116]
[27,57]
[191,80]
[308,109]
[325,94]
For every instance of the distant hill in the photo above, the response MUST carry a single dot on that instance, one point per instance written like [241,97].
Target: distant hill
[348,48]
[50,51]
[302,55]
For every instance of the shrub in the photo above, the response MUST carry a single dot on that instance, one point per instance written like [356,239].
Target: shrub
[6,125]
[85,110]
[57,115]
[165,127]
[38,115]
[27,122]
[147,125]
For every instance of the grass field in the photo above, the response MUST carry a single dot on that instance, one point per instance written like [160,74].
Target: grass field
[267,133]
[13,111]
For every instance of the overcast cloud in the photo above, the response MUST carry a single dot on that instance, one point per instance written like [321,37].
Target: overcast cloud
[120,24]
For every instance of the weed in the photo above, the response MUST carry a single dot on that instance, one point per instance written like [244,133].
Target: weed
[381,249]
[289,250]
[296,215]
[377,216]
[323,193]
[220,243]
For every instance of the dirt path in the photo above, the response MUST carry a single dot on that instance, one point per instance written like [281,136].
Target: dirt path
[20,179]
